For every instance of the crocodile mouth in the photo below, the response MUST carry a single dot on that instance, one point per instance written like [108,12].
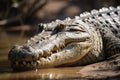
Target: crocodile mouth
[35,61]
[55,50]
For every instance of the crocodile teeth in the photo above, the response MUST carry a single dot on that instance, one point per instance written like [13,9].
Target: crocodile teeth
[38,62]
[24,62]
[46,53]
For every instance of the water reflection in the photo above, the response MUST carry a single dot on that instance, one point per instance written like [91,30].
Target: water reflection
[51,73]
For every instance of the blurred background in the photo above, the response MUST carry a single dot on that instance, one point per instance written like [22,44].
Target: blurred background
[19,18]
[19,21]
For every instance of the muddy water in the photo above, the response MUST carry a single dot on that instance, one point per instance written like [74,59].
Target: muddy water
[51,73]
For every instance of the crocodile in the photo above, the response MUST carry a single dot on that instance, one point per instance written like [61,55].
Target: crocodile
[89,38]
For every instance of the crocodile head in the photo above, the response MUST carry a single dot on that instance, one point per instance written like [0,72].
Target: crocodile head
[64,45]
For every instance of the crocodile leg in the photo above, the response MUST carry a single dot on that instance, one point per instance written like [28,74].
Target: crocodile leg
[111,44]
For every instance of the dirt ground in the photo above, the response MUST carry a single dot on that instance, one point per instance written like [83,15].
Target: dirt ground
[107,70]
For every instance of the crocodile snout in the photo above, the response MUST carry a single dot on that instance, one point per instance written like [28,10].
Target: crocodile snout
[20,53]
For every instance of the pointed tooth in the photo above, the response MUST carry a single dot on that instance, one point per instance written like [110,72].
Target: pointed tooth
[38,62]
[42,59]
[24,62]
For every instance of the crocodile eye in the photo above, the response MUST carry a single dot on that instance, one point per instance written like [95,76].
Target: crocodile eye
[41,27]
[76,28]
[58,28]
[73,30]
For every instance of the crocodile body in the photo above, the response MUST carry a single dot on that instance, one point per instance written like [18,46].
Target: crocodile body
[88,38]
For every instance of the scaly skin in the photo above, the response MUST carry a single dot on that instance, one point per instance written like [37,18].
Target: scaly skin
[71,42]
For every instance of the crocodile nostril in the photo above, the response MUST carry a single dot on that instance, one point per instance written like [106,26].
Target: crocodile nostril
[26,48]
